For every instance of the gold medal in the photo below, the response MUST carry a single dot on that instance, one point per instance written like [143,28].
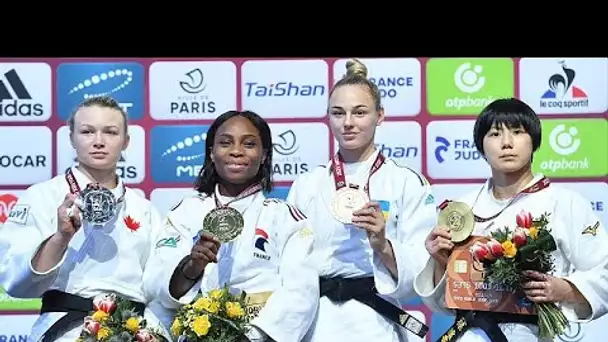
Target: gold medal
[458,218]
[224,223]
[345,202]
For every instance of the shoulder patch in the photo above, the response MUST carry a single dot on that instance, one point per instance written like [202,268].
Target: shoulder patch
[171,241]
[592,230]
[19,214]
[296,213]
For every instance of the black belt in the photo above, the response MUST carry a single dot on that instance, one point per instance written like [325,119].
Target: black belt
[77,309]
[486,321]
[364,290]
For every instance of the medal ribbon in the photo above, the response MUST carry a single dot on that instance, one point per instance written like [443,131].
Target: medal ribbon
[541,184]
[337,163]
[75,188]
[245,193]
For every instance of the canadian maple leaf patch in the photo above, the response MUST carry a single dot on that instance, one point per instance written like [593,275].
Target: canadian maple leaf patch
[131,223]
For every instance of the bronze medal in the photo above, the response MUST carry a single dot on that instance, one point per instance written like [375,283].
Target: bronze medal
[224,223]
[458,218]
[345,202]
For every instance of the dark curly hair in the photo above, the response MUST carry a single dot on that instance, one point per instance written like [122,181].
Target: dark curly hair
[208,177]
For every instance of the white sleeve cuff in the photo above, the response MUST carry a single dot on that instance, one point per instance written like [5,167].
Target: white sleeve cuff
[578,312]
[52,269]
[254,334]
[383,279]
[432,295]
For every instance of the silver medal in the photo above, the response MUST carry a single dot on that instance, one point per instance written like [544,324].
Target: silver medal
[98,205]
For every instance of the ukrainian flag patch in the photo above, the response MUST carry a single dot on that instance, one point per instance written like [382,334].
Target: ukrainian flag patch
[385,207]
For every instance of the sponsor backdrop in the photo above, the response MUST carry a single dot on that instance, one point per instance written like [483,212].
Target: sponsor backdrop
[431,106]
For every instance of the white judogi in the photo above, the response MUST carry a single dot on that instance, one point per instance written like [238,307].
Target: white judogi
[112,258]
[271,254]
[344,251]
[581,258]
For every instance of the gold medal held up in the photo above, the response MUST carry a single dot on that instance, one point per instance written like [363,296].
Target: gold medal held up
[458,218]
[225,223]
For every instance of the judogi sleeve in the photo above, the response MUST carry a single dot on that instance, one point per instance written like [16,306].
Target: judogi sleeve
[31,222]
[584,244]
[173,247]
[417,217]
[291,309]
[432,295]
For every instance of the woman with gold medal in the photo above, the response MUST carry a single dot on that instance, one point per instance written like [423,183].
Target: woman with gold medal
[230,234]
[370,216]
[507,133]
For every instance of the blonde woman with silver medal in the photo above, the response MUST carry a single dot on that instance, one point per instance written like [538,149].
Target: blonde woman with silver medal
[231,234]
[370,217]
[507,133]
[83,233]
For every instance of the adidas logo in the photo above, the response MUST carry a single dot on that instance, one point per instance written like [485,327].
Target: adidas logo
[15,99]
[124,171]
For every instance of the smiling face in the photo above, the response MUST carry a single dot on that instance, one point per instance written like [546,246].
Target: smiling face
[507,150]
[99,136]
[353,116]
[237,151]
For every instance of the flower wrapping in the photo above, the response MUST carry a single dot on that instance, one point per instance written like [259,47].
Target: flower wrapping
[511,252]
[217,316]
[115,320]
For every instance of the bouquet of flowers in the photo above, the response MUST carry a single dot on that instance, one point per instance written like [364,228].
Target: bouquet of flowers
[216,316]
[115,320]
[509,253]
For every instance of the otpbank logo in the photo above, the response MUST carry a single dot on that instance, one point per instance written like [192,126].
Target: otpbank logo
[178,152]
[464,86]
[122,81]
[573,148]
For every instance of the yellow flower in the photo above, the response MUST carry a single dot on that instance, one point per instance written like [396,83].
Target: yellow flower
[176,327]
[234,310]
[132,324]
[100,316]
[205,304]
[533,232]
[103,333]
[216,294]
[201,325]
[509,249]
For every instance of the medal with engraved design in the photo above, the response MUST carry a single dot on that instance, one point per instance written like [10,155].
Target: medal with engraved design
[458,218]
[349,199]
[345,202]
[224,223]
[98,205]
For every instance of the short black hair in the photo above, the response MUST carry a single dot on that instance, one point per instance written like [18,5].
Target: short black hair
[208,178]
[511,112]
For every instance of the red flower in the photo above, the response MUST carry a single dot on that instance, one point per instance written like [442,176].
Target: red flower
[105,303]
[90,326]
[524,219]
[479,251]
[519,237]
[495,248]
[144,336]
[131,223]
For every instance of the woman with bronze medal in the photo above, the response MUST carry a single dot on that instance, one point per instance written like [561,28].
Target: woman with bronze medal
[370,217]
[231,235]
[83,234]
[507,133]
